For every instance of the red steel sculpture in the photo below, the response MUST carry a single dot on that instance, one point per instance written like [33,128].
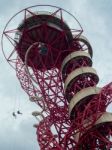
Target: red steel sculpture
[53,63]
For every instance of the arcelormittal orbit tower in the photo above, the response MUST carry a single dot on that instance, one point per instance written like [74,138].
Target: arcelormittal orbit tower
[53,62]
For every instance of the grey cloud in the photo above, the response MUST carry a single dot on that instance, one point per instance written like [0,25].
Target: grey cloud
[21,137]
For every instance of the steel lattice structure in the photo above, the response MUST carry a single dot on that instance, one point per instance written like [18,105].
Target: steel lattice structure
[53,63]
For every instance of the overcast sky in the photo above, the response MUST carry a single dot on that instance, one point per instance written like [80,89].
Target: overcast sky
[95,17]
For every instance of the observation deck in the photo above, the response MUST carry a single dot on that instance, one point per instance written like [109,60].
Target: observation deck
[51,35]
